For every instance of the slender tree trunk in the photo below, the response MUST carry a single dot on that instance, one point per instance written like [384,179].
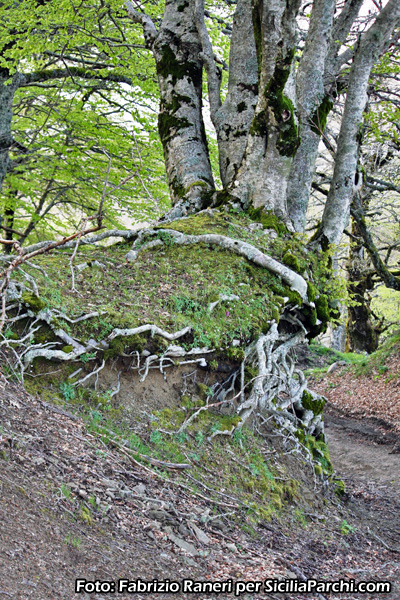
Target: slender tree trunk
[337,207]
[313,105]
[233,119]
[177,52]
[8,87]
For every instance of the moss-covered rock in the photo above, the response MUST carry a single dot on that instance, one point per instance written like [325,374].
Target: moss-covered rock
[268,220]
[322,307]
[33,302]
[316,405]
[291,261]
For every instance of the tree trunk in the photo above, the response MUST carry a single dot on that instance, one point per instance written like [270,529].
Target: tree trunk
[337,207]
[313,104]
[8,87]
[262,177]
[177,51]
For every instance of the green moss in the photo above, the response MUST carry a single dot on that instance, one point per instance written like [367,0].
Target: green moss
[169,66]
[249,374]
[322,307]
[282,108]
[203,390]
[318,469]
[340,487]
[229,422]
[309,403]
[310,316]
[67,349]
[120,344]
[311,291]
[291,261]
[268,220]
[236,354]
[224,198]
[320,116]
[275,314]
[168,125]
[320,453]
[294,297]
[33,302]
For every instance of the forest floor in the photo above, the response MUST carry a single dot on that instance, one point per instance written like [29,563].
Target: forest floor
[117,519]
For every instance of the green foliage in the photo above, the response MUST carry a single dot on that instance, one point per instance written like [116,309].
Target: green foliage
[68,391]
[75,116]
[346,528]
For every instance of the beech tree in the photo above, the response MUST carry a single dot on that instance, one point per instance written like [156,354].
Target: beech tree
[286,72]
[270,124]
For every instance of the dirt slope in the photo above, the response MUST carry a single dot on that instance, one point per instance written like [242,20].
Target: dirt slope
[120,520]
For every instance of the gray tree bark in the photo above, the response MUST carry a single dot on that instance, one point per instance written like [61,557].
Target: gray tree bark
[177,51]
[8,87]
[262,177]
[371,45]
[313,104]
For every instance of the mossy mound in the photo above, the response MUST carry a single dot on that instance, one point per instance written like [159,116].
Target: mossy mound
[172,286]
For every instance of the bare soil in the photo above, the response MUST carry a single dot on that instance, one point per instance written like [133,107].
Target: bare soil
[49,536]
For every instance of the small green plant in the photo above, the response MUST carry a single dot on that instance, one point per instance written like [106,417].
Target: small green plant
[75,542]
[65,491]
[87,356]
[200,438]
[182,437]
[299,516]
[92,502]
[156,437]
[166,238]
[68,391]
[346,528]
[86,515]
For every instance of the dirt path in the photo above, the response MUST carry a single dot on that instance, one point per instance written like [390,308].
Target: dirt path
[366,455]
[366,451]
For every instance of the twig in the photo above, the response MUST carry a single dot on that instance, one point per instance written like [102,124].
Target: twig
[80,381]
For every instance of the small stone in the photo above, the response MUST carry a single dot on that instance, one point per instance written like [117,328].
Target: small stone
[183,530]
[131,256]
[139,489]
[231,547]
[186,546]
[201,536]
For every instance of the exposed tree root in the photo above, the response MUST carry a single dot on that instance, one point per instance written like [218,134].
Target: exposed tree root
[253,254]
[266,389]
